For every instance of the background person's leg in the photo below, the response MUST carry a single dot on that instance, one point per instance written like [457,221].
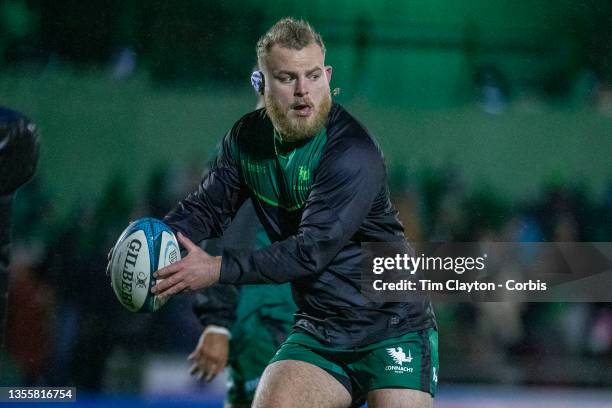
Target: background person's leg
[292,383]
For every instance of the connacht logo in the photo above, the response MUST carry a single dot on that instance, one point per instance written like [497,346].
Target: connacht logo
[303,174]
[398,355]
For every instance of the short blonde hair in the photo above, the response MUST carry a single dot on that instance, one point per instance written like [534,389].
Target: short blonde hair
[288,33]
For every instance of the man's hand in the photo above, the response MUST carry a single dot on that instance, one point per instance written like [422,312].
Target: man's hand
[197,270]
[210,355]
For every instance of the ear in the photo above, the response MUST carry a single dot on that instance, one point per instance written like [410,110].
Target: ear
[328,73]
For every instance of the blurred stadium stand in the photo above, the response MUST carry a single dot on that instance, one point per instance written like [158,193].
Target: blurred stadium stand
[495,119]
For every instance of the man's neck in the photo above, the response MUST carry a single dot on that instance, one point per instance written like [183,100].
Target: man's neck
[284,147]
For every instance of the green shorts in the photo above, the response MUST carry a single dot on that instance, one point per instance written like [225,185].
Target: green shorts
[253,343]
[408,361]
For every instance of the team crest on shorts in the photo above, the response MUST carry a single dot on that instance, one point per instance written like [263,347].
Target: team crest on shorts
[399,358]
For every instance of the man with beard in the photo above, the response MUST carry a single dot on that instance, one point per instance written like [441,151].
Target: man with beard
[243,326]
[318,184]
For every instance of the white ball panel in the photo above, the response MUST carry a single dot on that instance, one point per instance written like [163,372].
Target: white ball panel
[131,268]
[168,251]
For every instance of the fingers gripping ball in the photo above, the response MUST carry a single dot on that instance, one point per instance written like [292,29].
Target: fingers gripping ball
[145,246]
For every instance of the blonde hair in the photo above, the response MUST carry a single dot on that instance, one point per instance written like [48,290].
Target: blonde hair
[288,33]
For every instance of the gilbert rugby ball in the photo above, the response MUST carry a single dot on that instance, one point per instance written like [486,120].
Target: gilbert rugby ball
[145,246]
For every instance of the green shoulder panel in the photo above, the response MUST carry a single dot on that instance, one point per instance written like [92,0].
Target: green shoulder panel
[279,175]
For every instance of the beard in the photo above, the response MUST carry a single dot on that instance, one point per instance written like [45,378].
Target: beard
[297,128]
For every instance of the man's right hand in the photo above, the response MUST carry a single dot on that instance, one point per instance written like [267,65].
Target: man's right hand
[210,355]
[197,270]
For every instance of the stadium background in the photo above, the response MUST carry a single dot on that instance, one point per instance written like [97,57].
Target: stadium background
[495,119]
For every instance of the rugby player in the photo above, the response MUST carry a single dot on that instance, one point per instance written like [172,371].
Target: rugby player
[317,180]
[19,150]
[242,326]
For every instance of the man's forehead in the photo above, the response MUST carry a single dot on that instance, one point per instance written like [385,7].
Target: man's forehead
[289,59]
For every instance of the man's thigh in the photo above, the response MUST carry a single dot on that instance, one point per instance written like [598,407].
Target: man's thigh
[399,398]
[292,383]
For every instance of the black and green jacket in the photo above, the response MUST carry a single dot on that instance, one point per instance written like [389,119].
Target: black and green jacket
[318,200]
[230,306]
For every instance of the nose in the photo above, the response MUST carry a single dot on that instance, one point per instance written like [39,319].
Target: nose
[301,88]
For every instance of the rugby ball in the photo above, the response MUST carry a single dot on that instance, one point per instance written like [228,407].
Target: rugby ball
[145,246]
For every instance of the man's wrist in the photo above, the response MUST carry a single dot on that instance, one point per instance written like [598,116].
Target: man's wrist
[217,269]
[228,272]
[213,328]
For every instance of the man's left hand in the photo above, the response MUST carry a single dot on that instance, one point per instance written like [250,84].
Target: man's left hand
[195,271]
[210,355]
